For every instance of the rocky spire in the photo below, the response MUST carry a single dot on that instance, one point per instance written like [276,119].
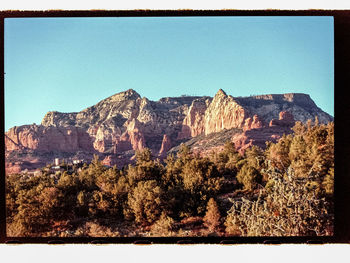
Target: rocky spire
[220,93]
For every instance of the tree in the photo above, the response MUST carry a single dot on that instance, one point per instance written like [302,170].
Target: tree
[37,209]
[163,226]
[278,153]
[328,182]
[144,155]
[254,156]
[184,154]
[145,201]
[144,172]
[212,216]
[171,177]
[227,160]
[248,176]
[96,167]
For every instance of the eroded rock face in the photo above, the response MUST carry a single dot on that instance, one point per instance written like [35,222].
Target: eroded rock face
[166,146]
[194,122]
[108,160]
[253,123]
[45,139]
[111,122]
[259,137]
[214,115]
[268,107]
[125,122]
[286,119]
[224,113]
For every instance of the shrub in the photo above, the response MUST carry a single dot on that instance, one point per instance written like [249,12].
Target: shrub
[163,226]
[145,201]
[94,229]
[328,182]
[212,216]
[249,177]
[290,208]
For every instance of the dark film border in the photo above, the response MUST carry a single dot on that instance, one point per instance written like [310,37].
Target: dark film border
[342,141]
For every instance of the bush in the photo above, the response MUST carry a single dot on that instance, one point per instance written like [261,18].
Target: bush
[290,208]
[145,201]
[94,229]
[212,216]
[163,226]
[248,176]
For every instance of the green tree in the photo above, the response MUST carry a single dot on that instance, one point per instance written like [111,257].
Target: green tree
[254,156]
[248,176]
[278,153]
[145,201]
[227,160]
[200,181]
[144,155]
[185,154]
[145,168]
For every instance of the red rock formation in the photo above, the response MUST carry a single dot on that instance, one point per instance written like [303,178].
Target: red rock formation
[108,160]
[132,139]
[253,123]
[126,122]
[259,136]
[286,116]
[40,138]
[29,164]
[286,119]
[166,146]
[223,113]
[193,124]
[123,144]
[13,168]
[137,139]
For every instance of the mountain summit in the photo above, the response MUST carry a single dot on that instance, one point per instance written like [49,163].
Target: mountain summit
[121,124]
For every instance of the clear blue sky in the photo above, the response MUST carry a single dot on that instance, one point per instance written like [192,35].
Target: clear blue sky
[69,64]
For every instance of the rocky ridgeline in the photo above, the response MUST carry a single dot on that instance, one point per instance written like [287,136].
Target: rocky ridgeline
[117,126]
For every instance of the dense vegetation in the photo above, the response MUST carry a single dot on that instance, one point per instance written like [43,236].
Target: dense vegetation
[286,189]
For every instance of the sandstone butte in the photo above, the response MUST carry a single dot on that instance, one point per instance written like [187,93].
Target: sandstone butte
[119,125]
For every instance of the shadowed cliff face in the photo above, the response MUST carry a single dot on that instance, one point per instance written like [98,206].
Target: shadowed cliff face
[125,122]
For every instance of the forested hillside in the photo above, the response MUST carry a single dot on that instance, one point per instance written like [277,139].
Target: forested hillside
[284,190]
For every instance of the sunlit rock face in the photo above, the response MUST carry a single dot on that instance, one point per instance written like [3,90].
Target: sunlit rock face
[166,146]
[50,138]
[125,122]
[224,113]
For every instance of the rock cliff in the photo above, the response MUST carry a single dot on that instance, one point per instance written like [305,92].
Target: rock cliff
[224,113]
[268,107]
[125,122]
[261,134]
[50,138]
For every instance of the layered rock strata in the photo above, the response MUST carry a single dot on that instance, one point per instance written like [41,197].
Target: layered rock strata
[125,122]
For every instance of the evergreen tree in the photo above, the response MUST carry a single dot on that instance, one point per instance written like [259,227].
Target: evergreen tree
[212,216]
[163,226]
[248,176]
[145,201]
